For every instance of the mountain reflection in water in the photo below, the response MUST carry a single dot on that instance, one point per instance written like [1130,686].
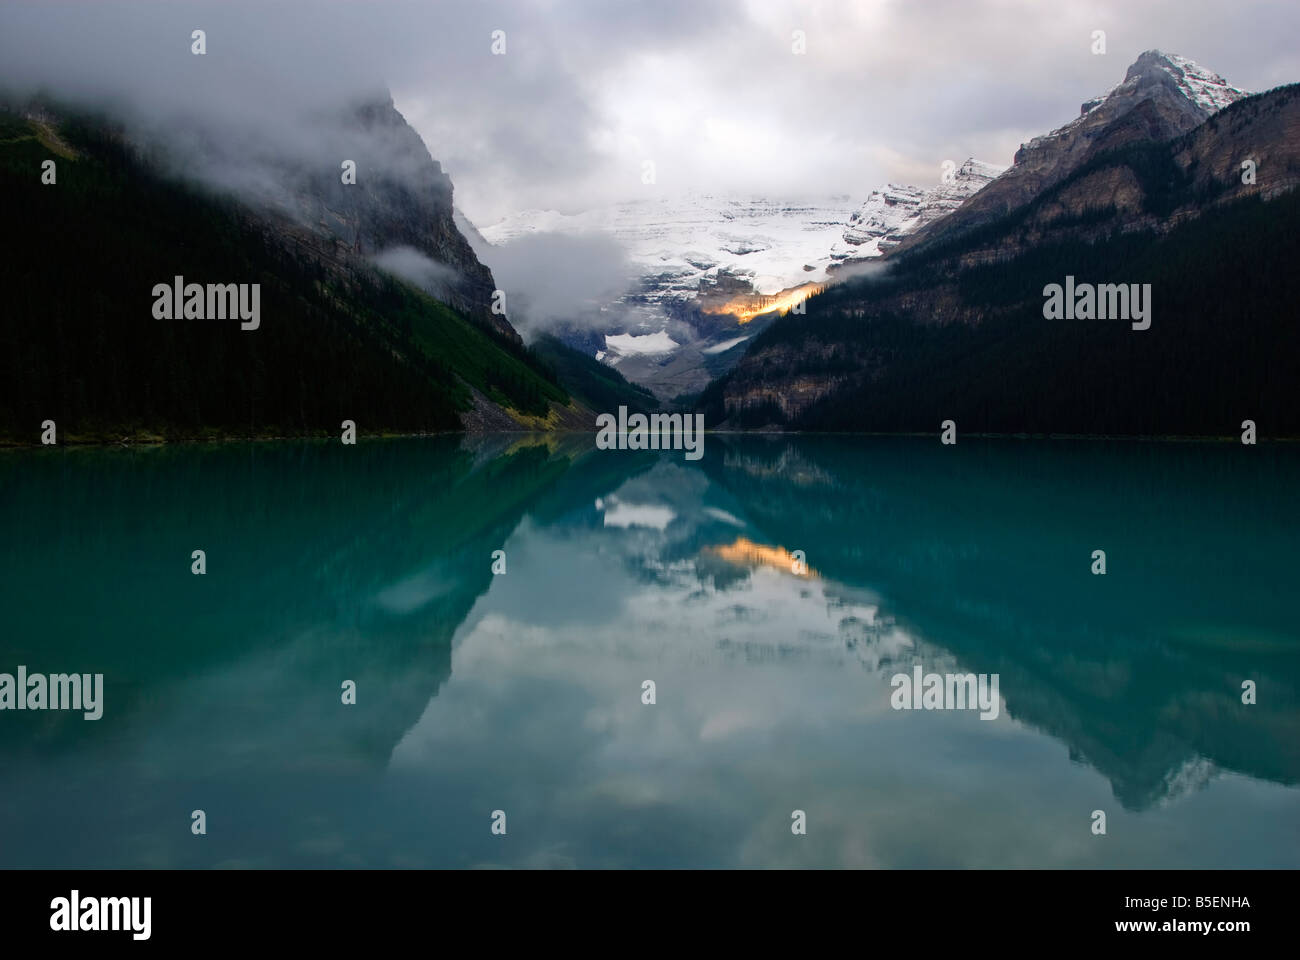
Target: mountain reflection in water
[523,692]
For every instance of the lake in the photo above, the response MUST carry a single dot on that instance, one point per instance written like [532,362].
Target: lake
[523,692]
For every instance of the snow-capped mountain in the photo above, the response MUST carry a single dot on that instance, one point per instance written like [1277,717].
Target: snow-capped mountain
[894,211]
[1153,75]
[1203,87]
[1161,96]
[1090,184]
[690,256]
[706,265]
[677,242]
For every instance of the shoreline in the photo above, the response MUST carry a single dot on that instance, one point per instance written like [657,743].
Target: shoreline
[142,443]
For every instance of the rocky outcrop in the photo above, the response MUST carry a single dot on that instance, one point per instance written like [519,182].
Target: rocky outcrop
[1161,96]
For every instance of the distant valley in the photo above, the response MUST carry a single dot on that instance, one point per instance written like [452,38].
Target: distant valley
[893,312]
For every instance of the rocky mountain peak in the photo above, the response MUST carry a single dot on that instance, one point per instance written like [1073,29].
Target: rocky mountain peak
[1203,87]
[1175,93]
[1161,96]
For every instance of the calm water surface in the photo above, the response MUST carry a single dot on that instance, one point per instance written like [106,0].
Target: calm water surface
[522,692]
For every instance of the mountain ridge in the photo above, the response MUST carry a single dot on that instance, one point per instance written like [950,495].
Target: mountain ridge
[1161,96]
[339,338]
[955,329]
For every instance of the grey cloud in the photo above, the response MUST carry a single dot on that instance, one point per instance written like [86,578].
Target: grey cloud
[709,89]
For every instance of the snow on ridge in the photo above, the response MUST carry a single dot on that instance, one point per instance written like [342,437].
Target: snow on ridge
[895,211]
[1203,87]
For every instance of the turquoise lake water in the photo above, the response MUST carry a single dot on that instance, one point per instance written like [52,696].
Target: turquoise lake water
[522,692]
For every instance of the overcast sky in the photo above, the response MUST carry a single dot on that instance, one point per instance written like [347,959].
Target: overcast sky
[710,91]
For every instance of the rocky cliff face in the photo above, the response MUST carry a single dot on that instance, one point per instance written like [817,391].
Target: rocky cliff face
[401,201]
[1263,130]
[1161,96]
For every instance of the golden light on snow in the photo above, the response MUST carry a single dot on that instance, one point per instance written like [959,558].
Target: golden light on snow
[746,307]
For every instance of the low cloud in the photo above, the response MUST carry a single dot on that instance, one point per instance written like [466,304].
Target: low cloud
[861,271]
[436,279]
[554,280]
